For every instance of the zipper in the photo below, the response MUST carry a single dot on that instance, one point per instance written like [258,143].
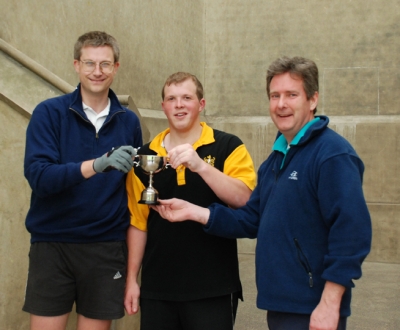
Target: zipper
[304,262]
[275,174]
[88,121]
[107,122]
[84,119]
[276,170]
[112,116]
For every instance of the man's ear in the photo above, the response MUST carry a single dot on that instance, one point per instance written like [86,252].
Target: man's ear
[116,66]
[314,101]
[202,105]
[77,65]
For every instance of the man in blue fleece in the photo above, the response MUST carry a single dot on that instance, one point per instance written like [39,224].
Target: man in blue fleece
[79,148]
[307,211]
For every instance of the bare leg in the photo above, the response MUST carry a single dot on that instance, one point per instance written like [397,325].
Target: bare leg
[85,323]
[49,322]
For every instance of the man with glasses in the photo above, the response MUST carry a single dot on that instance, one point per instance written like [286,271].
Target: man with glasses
[79,148]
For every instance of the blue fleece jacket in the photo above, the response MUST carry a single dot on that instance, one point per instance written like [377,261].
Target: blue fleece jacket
[310,219]
[66,207]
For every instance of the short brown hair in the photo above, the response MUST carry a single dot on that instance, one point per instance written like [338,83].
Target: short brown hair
[179,77]
[301,67]
[96,39]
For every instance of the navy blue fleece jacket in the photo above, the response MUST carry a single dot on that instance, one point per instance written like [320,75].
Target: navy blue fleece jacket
[310,219]
[66,207]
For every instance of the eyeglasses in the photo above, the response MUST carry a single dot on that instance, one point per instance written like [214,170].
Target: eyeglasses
[90,66]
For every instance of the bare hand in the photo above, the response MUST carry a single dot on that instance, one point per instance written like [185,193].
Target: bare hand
[132,294]
[185,155]
[324,318]
[326,315]
[177,210]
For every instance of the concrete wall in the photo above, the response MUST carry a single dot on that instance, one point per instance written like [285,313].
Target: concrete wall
[228,44]
[156,38]
[354,44]
[14,197]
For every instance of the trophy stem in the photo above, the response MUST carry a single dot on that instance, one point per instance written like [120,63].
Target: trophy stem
[151,179]
[150,194]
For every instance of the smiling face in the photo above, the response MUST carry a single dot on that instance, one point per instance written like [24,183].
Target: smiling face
[95,83]
[182,106]
[289,107]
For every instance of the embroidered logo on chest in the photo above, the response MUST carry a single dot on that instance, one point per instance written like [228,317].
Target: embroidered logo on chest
[210,160]
[293,176]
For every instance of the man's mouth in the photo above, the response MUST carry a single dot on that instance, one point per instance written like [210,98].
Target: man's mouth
[180,114]
[96,80]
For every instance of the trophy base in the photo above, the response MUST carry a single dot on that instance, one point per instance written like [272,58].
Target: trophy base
[149,197]
[149,202]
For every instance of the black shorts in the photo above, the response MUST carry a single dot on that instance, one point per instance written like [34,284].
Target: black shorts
[91,275]
[216,313]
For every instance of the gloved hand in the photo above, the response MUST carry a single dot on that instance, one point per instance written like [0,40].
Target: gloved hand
[118,158]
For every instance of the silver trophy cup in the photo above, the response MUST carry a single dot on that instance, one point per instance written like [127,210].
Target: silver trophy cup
[151,165]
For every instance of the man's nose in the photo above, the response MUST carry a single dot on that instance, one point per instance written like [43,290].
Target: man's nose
[281,101]
[179,103]
[97,69]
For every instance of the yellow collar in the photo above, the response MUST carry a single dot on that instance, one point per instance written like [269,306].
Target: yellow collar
[207,137]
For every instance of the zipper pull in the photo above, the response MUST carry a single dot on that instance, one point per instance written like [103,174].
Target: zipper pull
[310,280]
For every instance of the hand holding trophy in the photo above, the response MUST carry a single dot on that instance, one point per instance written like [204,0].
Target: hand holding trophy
[151,165]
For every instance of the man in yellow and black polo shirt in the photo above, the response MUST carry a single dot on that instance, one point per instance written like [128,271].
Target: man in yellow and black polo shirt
[190,280]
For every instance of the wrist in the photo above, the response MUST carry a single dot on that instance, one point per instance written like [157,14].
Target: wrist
[203,215]
[132,277]
[87,169]
[97,165]
[203,168]
[332,294]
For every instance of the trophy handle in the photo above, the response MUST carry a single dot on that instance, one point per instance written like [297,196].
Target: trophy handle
[166,162]
[136,162]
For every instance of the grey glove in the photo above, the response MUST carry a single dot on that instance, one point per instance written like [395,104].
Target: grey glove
[118,158]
